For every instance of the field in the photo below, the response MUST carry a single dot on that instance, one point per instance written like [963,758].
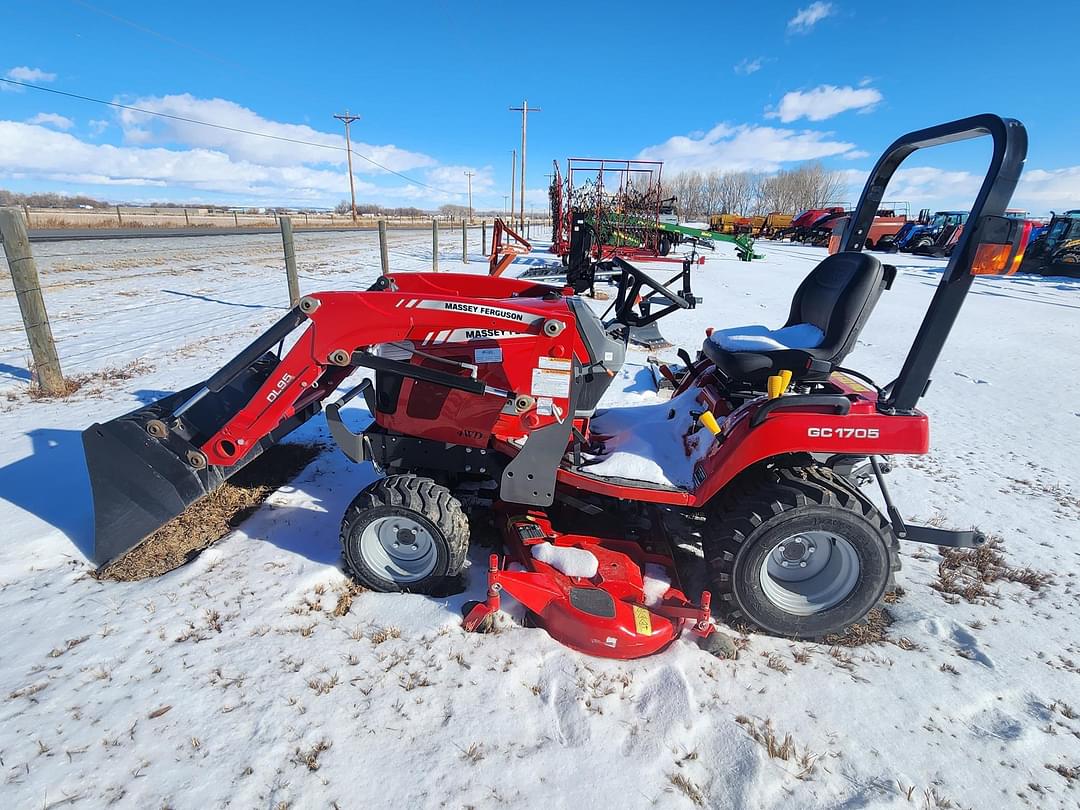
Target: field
[255,676]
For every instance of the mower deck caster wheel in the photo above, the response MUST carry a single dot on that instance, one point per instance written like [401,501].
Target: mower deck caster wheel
[720,645]
[487,624]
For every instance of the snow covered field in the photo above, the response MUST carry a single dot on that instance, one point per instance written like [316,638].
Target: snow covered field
[241,680]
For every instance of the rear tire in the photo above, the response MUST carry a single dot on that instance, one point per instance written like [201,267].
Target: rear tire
[404,533]
[765,541]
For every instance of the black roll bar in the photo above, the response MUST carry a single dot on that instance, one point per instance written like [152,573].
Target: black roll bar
[984,223]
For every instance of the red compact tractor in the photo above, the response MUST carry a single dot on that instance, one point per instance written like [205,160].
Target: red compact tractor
[485,399]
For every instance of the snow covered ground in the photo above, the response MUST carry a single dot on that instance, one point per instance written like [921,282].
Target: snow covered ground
[234,681]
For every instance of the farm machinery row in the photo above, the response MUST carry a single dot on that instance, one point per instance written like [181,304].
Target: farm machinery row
[483,401]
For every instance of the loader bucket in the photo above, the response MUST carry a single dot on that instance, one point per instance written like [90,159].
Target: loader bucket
[139,481]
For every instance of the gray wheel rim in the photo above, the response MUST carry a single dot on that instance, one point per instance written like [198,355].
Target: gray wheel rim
[399,548]
[809,572]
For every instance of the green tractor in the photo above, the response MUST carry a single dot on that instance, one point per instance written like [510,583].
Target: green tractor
[1056,252]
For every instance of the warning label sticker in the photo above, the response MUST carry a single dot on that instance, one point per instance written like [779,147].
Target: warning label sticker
[555,364]
[549,383]
[642,621]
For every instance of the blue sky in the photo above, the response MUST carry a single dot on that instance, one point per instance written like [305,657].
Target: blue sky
[755,86]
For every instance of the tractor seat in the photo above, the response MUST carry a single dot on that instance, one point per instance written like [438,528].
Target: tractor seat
[828,311]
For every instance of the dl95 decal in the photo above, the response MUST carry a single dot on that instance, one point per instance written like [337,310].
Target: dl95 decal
[842,433]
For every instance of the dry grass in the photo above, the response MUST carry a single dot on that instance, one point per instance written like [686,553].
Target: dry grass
[181,539]
[965,573]
[310,758]
[347,591]
[777,748]
[691,791]
[94,383]
[872,630]
[1071,774]
[384,634]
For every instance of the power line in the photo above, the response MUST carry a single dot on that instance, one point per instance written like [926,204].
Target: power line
[187,120]
[159,35]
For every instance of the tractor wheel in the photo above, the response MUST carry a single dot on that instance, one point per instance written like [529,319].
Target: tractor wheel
[404,533]
[869,244]
[665,246]
[921,244]
[797,552]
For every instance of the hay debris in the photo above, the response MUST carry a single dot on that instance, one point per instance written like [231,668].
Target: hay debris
[180,540]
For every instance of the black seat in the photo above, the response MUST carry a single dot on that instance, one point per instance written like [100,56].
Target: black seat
[837,297]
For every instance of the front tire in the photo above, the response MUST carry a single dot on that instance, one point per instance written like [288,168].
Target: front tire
[404,533]
[798,552]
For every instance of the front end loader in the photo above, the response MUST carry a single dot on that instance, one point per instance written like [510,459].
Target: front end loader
[484,398]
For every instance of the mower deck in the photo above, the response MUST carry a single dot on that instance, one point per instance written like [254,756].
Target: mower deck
[624,603]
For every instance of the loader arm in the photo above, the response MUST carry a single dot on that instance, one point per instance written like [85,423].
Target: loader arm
[148,466]
[343,323]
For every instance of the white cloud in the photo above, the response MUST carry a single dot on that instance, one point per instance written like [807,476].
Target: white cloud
[757,148]
[98,126]
[52,119]
[25,74]
[808,17]
[452,178]
[1039,191]
[823,102]
[142,129]
[748,66]
[35,152]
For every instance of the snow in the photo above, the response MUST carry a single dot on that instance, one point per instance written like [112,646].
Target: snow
[763,339]
[573,562]
[656,583]
[218,683]
[648,442]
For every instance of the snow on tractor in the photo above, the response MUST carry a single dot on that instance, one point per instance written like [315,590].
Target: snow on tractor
[486,395]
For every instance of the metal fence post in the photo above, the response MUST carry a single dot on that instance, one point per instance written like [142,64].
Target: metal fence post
[464,243]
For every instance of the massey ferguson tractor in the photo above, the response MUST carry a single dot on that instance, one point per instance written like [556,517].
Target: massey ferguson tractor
[490,391]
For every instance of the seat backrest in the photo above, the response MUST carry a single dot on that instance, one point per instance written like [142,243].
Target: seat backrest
[837,297]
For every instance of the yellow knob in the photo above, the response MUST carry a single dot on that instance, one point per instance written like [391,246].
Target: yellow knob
[785,375]
[709,421]
[776,386]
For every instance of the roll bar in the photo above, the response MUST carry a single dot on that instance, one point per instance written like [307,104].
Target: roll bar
[986,223]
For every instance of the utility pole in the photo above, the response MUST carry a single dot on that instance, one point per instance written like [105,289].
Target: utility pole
[348,119]
[470,176]
[524,109]
[513,182]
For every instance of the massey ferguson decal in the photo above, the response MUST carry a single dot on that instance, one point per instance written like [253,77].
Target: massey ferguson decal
[465,335]
[478,309]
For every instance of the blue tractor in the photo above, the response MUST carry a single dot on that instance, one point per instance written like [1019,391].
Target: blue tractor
[922,233]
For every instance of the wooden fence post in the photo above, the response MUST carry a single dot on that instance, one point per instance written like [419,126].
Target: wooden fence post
[434,245]
[187,219]
[290,260]
[464,243]
[26,210]
[119,220]
[235,220]
[483,237]
[24,277]
[384,255]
